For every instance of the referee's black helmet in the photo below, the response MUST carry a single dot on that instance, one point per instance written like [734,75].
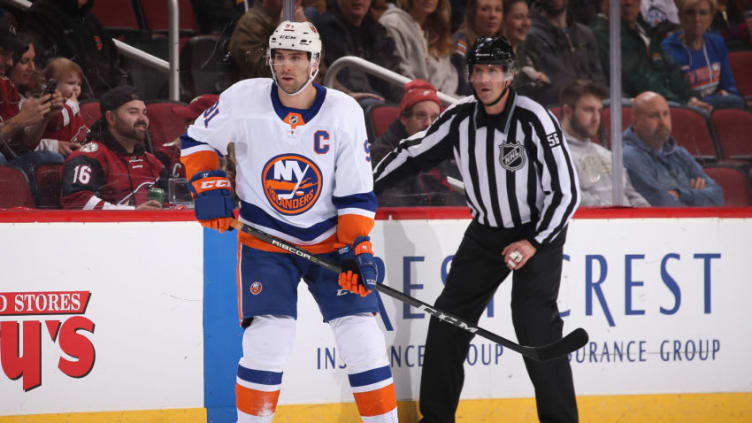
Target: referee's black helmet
[491,51]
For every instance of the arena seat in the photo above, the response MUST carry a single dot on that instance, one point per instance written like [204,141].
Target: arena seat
[90,111]
[692,131]
[48,182]
[605,130]
[14,189]
[116,15]
[156,14]
[164,125]
[378,119]
[741,65]
[202,70]
[732,128]
[735,184]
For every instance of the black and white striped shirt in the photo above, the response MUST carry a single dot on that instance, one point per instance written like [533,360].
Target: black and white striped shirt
[516,166]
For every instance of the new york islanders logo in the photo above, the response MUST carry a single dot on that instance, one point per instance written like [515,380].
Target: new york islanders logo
[292,183]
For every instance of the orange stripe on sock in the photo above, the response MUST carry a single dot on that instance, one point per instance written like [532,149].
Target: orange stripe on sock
[255,403]
[376,403]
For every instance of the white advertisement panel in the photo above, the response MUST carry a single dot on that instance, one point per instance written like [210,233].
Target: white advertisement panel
[665,302]
[108,316]
[100,316]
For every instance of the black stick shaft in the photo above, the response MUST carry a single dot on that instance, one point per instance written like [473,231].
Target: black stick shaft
[566,345]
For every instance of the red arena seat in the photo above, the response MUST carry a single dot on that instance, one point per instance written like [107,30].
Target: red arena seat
[626,120]
[116,14]
[380,117]
[164,125]
[90,111]
[691,131]
[156,14]
[48,181]
[731,126]
[735,184]
[14,189]
[741,67]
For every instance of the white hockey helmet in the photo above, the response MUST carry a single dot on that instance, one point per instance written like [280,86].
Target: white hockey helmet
[301,36]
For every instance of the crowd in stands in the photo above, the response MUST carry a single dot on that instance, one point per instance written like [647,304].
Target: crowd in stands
[679,58]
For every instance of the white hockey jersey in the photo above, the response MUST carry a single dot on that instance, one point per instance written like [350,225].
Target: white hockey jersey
[302,175]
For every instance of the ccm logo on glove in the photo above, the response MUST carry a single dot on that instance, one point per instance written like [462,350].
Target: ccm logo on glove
[208,184]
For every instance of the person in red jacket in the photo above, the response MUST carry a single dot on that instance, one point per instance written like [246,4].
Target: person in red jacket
[114,170]
[67,128]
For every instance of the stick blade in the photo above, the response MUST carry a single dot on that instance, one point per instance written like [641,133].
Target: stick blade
[570,343]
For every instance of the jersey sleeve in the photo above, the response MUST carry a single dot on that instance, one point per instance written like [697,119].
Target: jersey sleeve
[353,191]
[422,151]
[209,134]
[67,125]
[83,177]
[558,179]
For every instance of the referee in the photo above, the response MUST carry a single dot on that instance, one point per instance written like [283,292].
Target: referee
[521,187]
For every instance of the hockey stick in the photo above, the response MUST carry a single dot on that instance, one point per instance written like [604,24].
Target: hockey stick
[570,343]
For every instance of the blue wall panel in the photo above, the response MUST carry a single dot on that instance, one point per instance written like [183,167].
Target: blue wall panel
[222,332]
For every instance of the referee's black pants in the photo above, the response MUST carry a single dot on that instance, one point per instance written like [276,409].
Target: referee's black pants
[477,269]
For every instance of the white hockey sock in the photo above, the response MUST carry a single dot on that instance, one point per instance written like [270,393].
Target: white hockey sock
[267,343]
[363,349]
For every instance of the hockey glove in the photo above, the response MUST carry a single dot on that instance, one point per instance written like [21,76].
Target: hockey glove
[214,202]
[359,270]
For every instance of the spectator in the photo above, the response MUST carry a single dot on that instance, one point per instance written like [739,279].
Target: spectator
[581,107]
[113,170]
[645,65]
[23,73]
[378,7]
[419,107]
[9,100]
[23,120]
[67,28]
[562,48]
[661,171]
[348,29]
[482,18]
[516,25]
[250,39]
[703,56]
[657,12]
[66,130]
[421,32]
[169,153]
[734,21]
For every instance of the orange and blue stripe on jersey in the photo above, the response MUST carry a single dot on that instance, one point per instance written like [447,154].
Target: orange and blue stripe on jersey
[374,393]
[197,156]
[356,215]
[355,218]
[257,392]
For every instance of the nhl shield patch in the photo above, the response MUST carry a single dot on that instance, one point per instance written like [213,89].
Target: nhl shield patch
[512,156]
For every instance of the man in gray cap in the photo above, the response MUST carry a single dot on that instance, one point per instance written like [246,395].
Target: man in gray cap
[113,170]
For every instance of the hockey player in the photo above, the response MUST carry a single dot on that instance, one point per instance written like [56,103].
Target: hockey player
[303,174]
